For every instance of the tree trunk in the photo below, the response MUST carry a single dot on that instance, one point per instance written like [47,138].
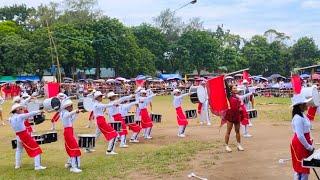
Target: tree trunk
[98,65]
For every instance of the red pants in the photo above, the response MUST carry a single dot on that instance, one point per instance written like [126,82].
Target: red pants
[181,118]
[108,132]
[134,127]
[119,118]
[30,145]
[146,121]
[71,144]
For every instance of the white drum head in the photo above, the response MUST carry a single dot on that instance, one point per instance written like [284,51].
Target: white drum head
[311,92]
[88,104]
[201,91]
[33,106]
[86,135]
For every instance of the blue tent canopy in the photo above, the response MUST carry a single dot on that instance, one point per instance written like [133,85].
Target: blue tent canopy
[170,76]
[28,78]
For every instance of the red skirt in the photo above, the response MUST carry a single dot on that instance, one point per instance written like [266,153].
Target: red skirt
[108,132]
[244,115]
[181,118]
[298,152]
[30,145]
[119,118]
[55,117]
[71,144]
[134,127]
[146,121]
[233,116]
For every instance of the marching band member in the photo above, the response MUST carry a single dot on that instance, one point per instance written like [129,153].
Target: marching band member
[301,144]
[181,118]
[23,102]
[146,121]
[24,139]
[68,116]
[233,117]
[124,109]
[248,101]
[91,117]
[204,113]
[56,116]
[116,116]
[109,133]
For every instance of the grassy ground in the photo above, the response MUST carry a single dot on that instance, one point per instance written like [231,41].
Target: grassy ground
[163,155]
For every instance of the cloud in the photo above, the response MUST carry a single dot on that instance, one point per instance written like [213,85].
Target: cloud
[311,4]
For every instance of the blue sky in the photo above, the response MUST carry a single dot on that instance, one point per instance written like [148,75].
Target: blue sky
[296,18]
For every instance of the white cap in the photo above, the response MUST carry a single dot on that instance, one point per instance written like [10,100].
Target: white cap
[16,99]
[111,94]
[66,103]
[16,106]
[143,91]
[25,95]
[97,94]
[176,91]
[299,99]
[62,96]
[245,81]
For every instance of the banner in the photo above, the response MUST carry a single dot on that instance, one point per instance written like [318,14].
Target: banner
[51,89]
[246,76]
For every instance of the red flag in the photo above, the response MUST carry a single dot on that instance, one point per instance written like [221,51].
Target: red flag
[51,89]
[311,113]
[217,95]
[140,83]
[246,76]
[296,84]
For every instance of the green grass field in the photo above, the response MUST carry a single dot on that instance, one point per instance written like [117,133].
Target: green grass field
[162,156]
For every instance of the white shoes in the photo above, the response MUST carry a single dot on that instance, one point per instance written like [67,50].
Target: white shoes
[17,167]
[247,135]
[134,141]
[181,135]
[87,150]
[201,123]
[111,153]
[123,146]
[208,124]
[228,149]
[240,148]
[75,170]
[148,137]
[250,125]
[67,166]
[40,168]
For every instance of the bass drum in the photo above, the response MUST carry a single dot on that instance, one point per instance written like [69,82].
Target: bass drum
[88,104]
[51,104]
[201,92]
[311,92]
[194,96]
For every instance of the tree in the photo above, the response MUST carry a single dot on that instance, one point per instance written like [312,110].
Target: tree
[305,52]
[17,13]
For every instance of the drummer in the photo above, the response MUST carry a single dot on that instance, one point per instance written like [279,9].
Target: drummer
[114,115]
[68,116]
[204,111]
[124,109]
[24,139]
[23,102]
[181,118]
[91,117]
[109,133]
[56,116]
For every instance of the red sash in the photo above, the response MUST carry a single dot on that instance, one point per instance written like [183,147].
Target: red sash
[91,117]
[118,117]
[27,124]
[55,117]
[146,121]
[181,118]
[108,132]
[298,152]
[30,145]
[71,145]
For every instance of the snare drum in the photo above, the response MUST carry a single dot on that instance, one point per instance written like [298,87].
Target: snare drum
[51,104]
[191,114]
[80,105]
[50,137]
[138,122]
[38,119]
[116,126]
[156,118]
[87,140]
[253,113]
[129,119]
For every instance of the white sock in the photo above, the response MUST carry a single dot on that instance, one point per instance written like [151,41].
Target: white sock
[123,139]
[111,145]
[78,161]
[134,136]
[19,151]
[74,162]
[37,161]
[180,130]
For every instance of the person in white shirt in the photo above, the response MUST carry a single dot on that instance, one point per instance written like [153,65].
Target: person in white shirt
[24,139]
[204,114]
[109,133]
[181,118]
[56,116]
[146,122]
[301,144]
[68,116]
[114,115]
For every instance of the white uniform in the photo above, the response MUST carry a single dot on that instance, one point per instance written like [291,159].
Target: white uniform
[204,115]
